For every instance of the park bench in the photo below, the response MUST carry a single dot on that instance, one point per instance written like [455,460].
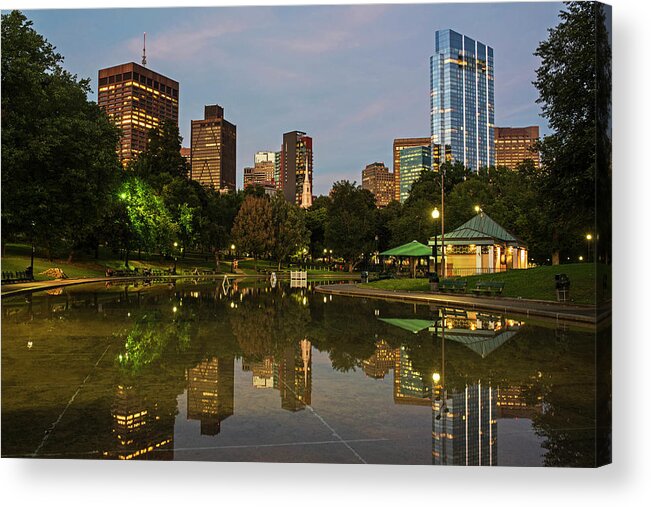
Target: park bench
[385,276]
[16,277]
[488,288]
[452,285]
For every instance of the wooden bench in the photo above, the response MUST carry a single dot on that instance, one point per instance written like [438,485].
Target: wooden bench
[453,285]
[488,288]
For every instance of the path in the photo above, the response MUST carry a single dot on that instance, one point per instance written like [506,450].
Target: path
[586,314]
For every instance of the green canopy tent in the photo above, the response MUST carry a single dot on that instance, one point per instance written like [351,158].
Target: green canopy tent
[412,251]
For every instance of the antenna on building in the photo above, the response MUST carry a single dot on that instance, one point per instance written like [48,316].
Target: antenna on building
[144,46]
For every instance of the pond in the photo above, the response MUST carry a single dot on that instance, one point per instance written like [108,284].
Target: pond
[249,372]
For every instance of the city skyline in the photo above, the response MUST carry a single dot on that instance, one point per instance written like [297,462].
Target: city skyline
[335,83]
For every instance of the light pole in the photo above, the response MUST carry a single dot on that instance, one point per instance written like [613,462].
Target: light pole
[435,250]
[232,258]
[588,238]
[175,257]
[31,263]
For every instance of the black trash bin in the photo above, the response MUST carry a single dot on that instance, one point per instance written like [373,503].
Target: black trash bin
[364,276]
[562,287]
[434,281]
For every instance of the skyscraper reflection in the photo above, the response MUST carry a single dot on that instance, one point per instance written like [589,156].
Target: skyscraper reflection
[210,393]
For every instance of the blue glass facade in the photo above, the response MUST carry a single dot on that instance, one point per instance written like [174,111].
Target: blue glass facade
[413,161]
[462,100]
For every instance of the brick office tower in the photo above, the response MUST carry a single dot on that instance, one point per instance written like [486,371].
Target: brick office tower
[515,145]
[136,99]
[295,165]
[213,142]
[377,179]
[398,146]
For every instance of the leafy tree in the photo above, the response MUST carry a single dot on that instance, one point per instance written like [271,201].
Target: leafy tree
[153,226]
[162,161]
[573,83]
[289,231]
[253,228]
[350,230]
[59,166]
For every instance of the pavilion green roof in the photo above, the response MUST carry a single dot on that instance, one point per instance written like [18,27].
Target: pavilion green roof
[413,249]
[481,226]
[411,325]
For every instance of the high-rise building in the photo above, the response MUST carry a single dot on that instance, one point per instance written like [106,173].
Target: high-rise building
[410,386]
[462,100]
[398,146]
[377,179]
[413,161]
[514,145]
[293,376]
[277,170]
[295,165]
[186,153]
[213,142]
[382,360]
[136,99]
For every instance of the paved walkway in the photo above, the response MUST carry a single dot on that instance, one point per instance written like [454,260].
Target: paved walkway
[587,314]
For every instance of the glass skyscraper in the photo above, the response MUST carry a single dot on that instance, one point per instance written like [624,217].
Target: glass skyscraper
[413,161]
[462,101]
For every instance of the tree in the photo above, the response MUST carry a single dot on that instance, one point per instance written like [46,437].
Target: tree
[253,228]
[162,161]
[59,166]
[289,231]
[350,230]
[573,83]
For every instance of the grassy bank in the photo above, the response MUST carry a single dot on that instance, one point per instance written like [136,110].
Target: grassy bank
[534,283]
[249,267]
[17,258]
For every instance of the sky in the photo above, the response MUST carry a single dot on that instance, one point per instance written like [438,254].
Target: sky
[353,77]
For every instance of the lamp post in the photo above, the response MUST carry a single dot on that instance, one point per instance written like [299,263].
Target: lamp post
[588,238]
[175,257]
[232,258]
[435,250]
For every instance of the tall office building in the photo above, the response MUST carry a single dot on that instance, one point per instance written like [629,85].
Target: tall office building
[213,142]
[514,145]
[377,179]
[413,161]
[136,99]
[293,376]
[295,165]
[462,100]
[410,386]
[383,359]
[398,146]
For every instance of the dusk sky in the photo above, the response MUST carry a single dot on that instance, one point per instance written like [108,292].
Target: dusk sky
[352,77]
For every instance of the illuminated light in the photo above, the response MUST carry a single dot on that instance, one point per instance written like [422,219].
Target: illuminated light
[436,377]
[29,344]
[477,208]
[588,237]
[580,257]
[175,309]
[436,214]
[232,304]
[325,299]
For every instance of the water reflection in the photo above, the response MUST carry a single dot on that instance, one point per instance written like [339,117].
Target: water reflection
[152,371]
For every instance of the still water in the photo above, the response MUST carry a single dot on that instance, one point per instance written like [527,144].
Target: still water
[247,372]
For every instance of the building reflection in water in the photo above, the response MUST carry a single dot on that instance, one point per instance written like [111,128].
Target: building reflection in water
[410,387]
[293,376]
[263,372]
[463,426]
[210,393]
[381,362]
[142,428]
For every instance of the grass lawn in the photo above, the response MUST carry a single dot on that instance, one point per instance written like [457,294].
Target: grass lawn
[534,283]
[248,266]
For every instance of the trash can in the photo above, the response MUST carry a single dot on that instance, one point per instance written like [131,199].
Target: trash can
[365,276]
[434,281]
[562,287]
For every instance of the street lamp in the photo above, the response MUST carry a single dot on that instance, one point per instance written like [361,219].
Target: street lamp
[477,208]
[588,237]
[175,257]
[232,258]
[435,251]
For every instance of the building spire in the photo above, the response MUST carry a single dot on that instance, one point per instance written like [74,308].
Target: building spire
[144,46]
